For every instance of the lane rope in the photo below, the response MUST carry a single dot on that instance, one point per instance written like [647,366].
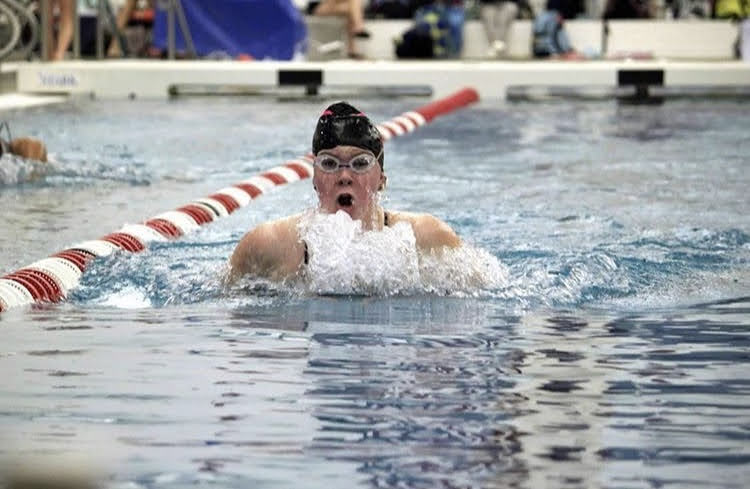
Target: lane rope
[52,278]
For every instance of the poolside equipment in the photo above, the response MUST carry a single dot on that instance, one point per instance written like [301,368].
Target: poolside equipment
[50,279]
[262,29]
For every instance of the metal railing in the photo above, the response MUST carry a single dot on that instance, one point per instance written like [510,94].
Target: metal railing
[19,29]
[175,11]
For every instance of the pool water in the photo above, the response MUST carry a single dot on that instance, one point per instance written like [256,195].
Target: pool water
[608,347]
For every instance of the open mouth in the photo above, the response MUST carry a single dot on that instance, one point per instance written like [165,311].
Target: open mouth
[345,200]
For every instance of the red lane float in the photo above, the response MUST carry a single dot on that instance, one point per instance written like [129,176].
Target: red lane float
[50,279]
[409,121]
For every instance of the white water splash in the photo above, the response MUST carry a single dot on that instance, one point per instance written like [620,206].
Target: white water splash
[127,298]
[464,271]
[346,260]
[15,170]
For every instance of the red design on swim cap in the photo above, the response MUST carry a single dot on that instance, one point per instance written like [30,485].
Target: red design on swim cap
[327,112]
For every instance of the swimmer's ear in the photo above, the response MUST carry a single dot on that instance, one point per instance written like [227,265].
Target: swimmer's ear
[383,180]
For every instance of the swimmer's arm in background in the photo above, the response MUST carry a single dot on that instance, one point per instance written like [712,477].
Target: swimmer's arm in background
[29,148]
[272,250]
[431,233]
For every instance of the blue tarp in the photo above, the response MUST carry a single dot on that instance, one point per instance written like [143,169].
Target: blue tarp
[263,29]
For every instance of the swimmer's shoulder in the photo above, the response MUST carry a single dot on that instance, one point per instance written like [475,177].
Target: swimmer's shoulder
[429,231]
[272,250]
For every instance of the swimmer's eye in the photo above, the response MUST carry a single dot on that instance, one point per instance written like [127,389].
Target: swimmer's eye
[328,164]
[361,164]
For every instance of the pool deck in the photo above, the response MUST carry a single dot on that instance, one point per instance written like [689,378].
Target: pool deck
[672,55]
[9,101]
[492,79]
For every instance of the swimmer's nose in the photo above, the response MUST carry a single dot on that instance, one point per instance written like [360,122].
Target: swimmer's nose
[345,178]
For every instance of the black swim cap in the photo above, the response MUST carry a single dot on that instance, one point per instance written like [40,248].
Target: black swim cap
[343,125]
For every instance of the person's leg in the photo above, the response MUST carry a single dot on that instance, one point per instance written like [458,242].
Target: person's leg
[65,29]
[345,9]
[506,14]
[332,7]
[357,17]
[487,14]
[491,18]
[123,16]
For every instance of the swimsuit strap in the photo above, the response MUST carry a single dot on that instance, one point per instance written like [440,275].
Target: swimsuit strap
[307,255]
[385,219]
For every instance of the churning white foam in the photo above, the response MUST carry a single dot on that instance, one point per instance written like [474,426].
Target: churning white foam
[16,170]
[345,259]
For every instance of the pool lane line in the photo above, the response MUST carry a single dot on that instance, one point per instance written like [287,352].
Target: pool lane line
[50,279]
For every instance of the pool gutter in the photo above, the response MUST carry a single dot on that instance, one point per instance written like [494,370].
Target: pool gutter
[492,79]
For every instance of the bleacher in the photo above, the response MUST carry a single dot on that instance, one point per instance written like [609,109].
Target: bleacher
[683,39]
[703,40]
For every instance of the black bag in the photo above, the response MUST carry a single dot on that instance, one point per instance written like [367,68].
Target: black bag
[394,9]
[415,43]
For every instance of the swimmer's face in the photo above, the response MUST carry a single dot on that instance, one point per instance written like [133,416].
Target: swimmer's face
[347,190]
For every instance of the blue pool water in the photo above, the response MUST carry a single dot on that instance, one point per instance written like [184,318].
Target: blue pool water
[610,350]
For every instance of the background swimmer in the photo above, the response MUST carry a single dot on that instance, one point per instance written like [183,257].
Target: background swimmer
[21,159]
[25,147]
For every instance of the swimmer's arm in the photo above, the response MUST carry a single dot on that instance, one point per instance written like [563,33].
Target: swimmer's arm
[431,233]
[271,250]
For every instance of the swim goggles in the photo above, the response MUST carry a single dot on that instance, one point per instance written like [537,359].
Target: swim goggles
[358,164]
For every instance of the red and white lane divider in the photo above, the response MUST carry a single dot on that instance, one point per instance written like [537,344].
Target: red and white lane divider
[50,279]
[409,121]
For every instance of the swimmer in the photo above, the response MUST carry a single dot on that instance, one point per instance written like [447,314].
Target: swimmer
[347,177]
[29,148]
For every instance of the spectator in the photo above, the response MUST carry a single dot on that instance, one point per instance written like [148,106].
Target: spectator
[687,9]
[569,9]
[732,9]
[497,17]
[395,9]
[550,40]
[125,16]
[354,14]
[627,9]
[437,32]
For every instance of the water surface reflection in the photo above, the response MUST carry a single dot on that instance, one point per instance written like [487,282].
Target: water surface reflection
[469,397]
